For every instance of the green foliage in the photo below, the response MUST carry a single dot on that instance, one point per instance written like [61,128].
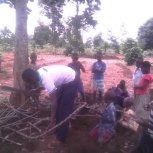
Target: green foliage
[81,21]
[132,54]
[128,44]
[54,11]
[7,39]
[145,35]
[97,41]
[89,43]
[114,42]
[68,50]
[74,40]
[148,53]
[42,35]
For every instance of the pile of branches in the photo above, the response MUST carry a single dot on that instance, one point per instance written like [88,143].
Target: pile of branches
[26,124]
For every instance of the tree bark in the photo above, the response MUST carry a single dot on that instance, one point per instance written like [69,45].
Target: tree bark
[21,47]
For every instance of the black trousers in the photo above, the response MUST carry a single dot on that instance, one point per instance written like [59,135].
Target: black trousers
[65,102]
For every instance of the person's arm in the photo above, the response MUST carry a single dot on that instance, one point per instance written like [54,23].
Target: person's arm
[34,91]
[144,123]
[52,97]
[82,68]
[145,85]
[93,69]
[102,70]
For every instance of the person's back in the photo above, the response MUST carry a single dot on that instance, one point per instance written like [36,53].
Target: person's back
[56,75]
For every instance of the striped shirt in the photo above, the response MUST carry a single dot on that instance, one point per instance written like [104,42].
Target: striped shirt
[150,131]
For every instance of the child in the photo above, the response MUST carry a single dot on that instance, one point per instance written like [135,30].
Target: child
[77,66]
[142,91]
[127,111]
[98,69]
[121,93]
[106,127]
[33,58]
[128,103]
[34,66]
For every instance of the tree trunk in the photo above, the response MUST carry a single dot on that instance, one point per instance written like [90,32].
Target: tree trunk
[21,47]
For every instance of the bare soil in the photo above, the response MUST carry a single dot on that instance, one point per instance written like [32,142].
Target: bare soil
[79,140]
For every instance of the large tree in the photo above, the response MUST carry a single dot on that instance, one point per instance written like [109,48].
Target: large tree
[21,41]
[145,35]
[82,20]
[54,11]
[114,42]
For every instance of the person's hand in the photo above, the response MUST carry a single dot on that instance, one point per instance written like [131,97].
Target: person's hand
[147,107]
[140,121]
[36,90]
[40,88]
[126,117]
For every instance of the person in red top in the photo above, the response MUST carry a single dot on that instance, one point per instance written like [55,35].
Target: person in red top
[142,91]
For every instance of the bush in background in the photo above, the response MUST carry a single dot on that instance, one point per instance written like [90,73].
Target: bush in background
[148,53]
[132,54]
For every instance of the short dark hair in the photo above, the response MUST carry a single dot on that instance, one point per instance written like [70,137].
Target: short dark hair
[28,74]
[99,53]
[75,54]
[146,64]
[33,54]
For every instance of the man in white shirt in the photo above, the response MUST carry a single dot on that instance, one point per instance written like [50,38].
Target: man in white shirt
[59,81]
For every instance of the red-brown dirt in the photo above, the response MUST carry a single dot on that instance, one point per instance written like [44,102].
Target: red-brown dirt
[116,68]
[78,140]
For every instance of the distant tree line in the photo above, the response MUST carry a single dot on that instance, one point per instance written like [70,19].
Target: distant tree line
[67,34]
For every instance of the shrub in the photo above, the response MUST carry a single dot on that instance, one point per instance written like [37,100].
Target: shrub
[132,55]
[148,53]
[68,50]
[128,44]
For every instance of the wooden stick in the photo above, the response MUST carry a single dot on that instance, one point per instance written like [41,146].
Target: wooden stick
[35,127]
[16,110]
[59,124]
[11,141]
[10,124]
[88,116]
[52,129]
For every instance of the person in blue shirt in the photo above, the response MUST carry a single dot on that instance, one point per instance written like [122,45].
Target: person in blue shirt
[98,69]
